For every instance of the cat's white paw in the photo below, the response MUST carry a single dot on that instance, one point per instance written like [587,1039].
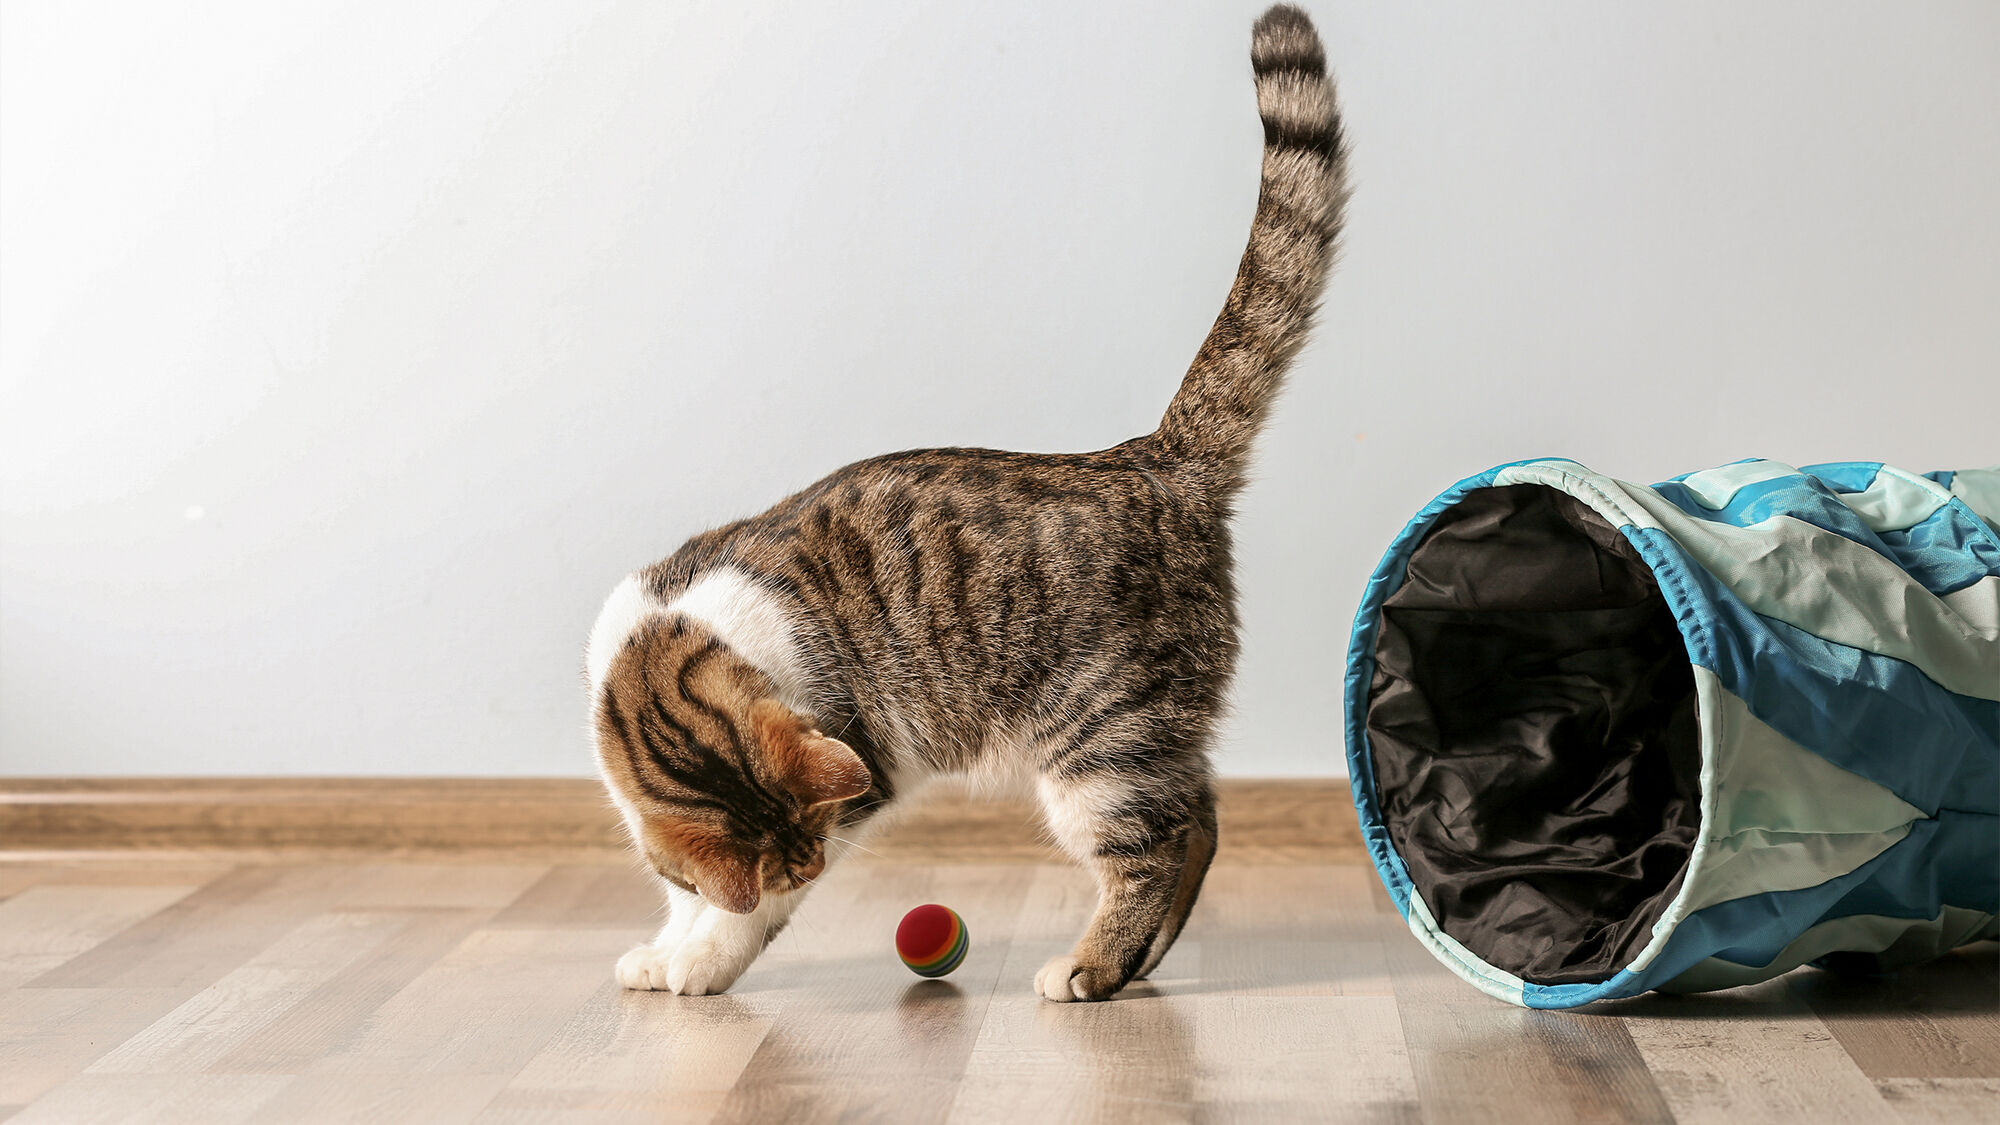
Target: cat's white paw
[1065,979]
[703,968]
[694,968]
[1052,983]
[644,968]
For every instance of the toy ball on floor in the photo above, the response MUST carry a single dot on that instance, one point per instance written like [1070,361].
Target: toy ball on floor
[932,940]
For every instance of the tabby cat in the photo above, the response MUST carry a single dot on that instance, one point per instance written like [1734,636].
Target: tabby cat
[1067,620]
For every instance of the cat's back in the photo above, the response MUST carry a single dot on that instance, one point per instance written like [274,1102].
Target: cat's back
[954,521]
[995,500]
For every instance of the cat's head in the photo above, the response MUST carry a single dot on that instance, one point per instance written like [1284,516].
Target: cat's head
[727,791]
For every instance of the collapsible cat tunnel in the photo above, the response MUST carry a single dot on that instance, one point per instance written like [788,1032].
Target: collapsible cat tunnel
[1606,738]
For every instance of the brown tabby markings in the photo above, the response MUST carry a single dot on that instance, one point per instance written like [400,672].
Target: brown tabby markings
[678,718]
[1073,611]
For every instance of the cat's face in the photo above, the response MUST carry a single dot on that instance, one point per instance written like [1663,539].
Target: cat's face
[726,791]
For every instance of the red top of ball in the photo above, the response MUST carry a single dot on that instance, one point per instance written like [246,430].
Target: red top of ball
[924,932]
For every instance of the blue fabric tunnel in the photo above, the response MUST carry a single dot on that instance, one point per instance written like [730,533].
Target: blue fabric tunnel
[1607,737]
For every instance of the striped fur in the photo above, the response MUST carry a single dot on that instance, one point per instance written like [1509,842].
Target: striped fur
[1064,618]
[1241,366]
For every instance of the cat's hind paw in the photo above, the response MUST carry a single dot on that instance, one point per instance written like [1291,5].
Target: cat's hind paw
[1063,980]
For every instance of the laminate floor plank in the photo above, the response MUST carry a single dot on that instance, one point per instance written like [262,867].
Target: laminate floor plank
[381,1099]
[1749,1056]
[220,1018]
[1942,1101]
[199,937]
[485,1007]
[44,926]
[331,1015]
[1061,1071]
[1308,930]
[1163,1056]
[135,1099]
[479,988]
[856,1034]
[17,875]
[629,1056]
[1479,1060]
[48,1035]
[428,886]
[1188,1045]
[598,895]
[1940,1020]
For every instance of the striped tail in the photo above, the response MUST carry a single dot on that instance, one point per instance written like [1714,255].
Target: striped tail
[1228,391]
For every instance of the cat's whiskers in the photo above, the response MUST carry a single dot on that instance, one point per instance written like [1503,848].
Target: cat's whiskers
[851,844]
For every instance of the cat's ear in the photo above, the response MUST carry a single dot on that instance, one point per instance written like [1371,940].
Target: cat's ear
[722,869]
[728,877]
[816,768]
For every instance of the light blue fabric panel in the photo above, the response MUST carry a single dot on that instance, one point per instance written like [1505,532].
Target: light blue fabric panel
[1847,476]
[1944,862]
[1754,929]
[1946,552]
[1949,861]
[1979,491]
[1841,702]
[1795,495]
[1949,551]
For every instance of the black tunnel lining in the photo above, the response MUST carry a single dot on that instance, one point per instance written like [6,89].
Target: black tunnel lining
[1535,743]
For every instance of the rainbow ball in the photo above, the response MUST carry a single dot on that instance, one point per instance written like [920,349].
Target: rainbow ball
[932,940]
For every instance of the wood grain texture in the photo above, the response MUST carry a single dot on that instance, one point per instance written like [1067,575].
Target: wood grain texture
[417,1098]
[48,1035]
[1478,1060]
[433,991]
[281,818]
[1749,1056]
[1942,1101]
[42,927]
[1185,1046]
[216,1020]
[386,814]
[327,1018]
[481,1009]
[1930,1028]
[118,1099]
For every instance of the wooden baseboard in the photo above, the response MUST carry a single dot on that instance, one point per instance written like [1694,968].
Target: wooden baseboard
[1261,821]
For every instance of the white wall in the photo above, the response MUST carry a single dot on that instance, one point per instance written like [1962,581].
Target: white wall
[353,350]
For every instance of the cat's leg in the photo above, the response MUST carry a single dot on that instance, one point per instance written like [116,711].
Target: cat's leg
[1139,842]
[1201,850]
[645,966]
[707,952]
[721,945]
[703,949]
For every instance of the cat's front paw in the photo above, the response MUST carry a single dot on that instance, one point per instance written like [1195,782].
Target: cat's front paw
[694,968]
[644,968]
[1063,979]
[703,968]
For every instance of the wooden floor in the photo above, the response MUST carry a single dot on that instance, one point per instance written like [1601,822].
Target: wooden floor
[201,989]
